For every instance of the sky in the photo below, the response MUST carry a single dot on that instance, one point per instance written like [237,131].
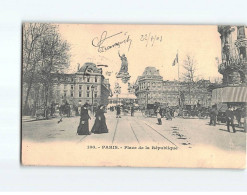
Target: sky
[144,45]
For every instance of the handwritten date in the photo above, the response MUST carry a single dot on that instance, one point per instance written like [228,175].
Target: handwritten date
[150,39]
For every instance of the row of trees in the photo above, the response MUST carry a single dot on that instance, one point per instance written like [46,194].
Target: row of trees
[45,54]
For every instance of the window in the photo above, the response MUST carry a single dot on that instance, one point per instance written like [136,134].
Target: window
[87,94]
[96,80]
[64,93]
[72,87]
[71,94]
[88,79]
[95,95]
[79,93]
[80,87]
[88,87]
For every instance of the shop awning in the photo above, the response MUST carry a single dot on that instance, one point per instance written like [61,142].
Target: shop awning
[229,94]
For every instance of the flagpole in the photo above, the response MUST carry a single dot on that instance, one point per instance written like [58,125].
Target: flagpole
[178,67]
[179,95]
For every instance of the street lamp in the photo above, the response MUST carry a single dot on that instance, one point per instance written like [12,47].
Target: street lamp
[147,91]
[92,88]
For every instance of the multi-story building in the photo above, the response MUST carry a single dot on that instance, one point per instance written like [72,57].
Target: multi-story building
[151,88]
[233,68]
[233,52]
[86,85]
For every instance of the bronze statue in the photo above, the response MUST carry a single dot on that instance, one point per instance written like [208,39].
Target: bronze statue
[123,73]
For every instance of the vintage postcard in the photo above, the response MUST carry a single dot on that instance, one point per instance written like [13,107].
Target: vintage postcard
[134,95]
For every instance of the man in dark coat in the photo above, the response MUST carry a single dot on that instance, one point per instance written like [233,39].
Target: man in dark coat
[118,112]
[229,119]
[213,115]
[132,111]
[237,113]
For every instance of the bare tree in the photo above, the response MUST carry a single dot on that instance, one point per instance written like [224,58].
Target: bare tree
[55,58]
[189,75]
[190,67]
[44,54]
[32,34]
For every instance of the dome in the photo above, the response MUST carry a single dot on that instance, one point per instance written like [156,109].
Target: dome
[152,71]
[89,67]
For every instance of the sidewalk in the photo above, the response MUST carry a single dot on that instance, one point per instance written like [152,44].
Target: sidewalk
[28,118]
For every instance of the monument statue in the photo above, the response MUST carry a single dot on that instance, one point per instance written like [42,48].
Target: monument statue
[123,73]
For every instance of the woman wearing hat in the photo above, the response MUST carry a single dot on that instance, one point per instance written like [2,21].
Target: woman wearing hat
[100,123]
[83,128]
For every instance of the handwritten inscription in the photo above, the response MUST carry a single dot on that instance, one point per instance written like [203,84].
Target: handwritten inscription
[103,45]
[150,39]
[106,42]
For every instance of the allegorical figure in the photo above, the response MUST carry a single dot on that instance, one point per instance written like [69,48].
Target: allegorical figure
[124,65]
[83,128]
[100,122]
[123,73]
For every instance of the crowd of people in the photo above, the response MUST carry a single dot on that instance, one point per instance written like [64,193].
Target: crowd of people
[228,117]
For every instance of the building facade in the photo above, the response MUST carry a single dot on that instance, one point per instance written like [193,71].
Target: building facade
[86,85]
[151,88]
[233,67]
[233,52]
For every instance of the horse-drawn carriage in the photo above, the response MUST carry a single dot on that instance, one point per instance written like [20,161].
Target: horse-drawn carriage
[150,110]
[191,111]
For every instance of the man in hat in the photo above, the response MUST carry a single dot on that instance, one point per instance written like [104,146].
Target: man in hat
[230,119]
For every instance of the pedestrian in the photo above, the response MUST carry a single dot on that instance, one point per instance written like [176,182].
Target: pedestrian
[132,111]
[237,113]
[158,114]
[100,122]
[118,112]
[213,116]
[83,128]
[168,114]
[230,119]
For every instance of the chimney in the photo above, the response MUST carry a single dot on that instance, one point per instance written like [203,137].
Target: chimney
[78,66]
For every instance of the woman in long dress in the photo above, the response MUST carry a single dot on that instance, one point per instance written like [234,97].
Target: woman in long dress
[83,128]
[100,122]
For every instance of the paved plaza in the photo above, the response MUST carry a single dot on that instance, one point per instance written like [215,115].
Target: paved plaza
[138,130]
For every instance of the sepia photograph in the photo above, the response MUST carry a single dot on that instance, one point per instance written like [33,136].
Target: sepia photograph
[134,95]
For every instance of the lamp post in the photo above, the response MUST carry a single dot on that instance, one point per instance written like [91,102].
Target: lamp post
[92,89]
[117,91]
[147,91]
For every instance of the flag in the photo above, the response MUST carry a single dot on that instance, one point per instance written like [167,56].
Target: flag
[175,61]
